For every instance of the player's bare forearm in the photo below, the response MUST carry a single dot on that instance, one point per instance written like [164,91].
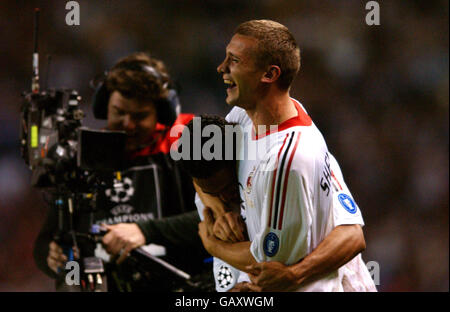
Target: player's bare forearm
[339,247]
[237,255]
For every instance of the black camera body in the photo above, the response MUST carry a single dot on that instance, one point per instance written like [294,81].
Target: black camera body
[70,162]
[58,150]
[48,135]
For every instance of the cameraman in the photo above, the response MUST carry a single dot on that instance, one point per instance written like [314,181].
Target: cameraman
[154,203]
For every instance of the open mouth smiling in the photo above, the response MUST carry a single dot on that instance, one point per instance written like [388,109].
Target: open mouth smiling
[230,84]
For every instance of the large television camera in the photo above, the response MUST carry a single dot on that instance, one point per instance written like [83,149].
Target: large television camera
[73,164]
[60,152]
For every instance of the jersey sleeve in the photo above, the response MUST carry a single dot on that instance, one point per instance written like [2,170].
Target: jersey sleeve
[286,208]
[345,209]
[225,276]
[239,116]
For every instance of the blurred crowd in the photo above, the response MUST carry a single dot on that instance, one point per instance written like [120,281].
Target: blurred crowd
[379,94]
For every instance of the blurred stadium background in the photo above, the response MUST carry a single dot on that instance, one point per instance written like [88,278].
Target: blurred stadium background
[378,93]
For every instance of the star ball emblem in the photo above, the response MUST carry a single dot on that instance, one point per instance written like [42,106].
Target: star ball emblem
[225,277]
[122,191]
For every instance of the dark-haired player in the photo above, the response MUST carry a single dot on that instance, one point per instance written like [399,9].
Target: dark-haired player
[216,183]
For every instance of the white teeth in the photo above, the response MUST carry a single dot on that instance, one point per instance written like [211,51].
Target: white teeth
[229,82]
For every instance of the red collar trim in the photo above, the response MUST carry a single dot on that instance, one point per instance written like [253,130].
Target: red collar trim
[302,120]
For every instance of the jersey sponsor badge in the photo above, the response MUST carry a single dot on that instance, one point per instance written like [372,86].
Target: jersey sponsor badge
[271,244]
[347,202]
[248,188]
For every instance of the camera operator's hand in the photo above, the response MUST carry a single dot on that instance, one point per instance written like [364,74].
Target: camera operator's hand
[56,258]
[122,238]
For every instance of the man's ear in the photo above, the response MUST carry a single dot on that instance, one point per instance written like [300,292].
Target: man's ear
[272,74]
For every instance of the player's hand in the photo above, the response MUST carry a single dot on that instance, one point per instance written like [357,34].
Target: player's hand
[122,238]
[205,230]
[230,228]
[214,203]
[241,287]
[271,276]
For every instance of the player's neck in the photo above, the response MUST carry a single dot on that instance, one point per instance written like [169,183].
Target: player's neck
[272,109]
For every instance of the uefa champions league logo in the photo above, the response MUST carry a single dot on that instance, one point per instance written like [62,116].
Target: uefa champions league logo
[122,191]
[225,277]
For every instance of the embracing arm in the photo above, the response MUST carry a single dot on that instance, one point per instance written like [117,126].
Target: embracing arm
[236,254]
[339,247]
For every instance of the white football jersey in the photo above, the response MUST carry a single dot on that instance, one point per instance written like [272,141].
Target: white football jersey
[294,195]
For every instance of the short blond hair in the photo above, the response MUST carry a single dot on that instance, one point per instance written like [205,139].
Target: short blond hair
[276,46]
